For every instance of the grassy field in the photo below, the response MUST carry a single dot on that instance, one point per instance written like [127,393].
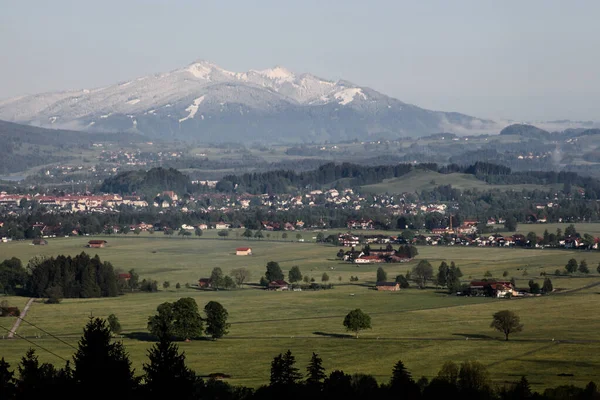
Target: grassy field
[418,180]
[424,328]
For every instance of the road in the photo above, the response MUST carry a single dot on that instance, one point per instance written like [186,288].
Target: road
[18,321]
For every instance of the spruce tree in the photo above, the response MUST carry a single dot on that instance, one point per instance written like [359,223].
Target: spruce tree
[166,374]
[284,371]
[35,380]
[315,371]
[102,365]
[7,380]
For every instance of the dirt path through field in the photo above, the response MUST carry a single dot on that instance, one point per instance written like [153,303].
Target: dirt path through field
[19,318]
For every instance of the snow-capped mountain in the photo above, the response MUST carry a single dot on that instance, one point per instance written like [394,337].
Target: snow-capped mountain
[206,102]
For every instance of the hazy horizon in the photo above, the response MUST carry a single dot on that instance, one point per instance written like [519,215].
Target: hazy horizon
[511,60]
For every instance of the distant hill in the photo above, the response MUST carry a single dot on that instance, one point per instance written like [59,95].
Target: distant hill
[421,179]
[23,146]
[148,183]
[10,131]
[526,131]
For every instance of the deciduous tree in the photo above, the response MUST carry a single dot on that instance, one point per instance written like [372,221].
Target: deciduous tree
[295,275]
[507,322]
[381,275]
[422,272]
[216,320]
[216,278]
[356,320]
[240,275]
[571,266]
[274,272]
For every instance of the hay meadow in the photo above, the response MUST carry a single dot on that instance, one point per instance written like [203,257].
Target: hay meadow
[424,328]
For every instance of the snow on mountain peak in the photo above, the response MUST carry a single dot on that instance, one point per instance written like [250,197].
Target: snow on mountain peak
[201,69]
[346,96]
[277,73]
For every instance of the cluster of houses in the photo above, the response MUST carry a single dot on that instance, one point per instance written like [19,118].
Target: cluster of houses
[373,256]
[491,288]
[499,240]
[73,202]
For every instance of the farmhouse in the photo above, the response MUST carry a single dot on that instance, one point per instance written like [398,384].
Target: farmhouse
[222,225]
[278,285]
[96,244]
[39,242]
[368,260]
[9,311]
[243,251]
[124,276]
[204,282]
[492,288]
[389,286]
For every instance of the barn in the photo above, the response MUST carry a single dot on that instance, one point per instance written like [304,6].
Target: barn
[96,244]
[243,251]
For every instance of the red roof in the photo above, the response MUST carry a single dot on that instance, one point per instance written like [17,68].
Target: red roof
[278,282]
[243,249]
[97,242]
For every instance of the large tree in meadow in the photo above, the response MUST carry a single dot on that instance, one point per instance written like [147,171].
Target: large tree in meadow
[507,322]
[274,272]
[295,275]
[422,272]
[216,320]
[180,320]
[356,321]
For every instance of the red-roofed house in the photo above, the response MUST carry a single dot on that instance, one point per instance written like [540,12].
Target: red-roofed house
[124,276]
[243,251]
[389,286]
[278,285]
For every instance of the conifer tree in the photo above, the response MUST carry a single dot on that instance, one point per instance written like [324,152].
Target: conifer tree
[315,371]
[98,361]
[166,374]
[7,380]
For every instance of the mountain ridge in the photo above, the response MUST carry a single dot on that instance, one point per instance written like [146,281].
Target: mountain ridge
[203,101]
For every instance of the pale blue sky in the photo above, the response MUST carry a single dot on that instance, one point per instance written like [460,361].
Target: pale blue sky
[523,60]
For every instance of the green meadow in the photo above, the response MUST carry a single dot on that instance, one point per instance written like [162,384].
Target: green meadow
[424,328]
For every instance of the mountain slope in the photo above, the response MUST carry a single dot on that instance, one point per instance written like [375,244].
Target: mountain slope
[206,102]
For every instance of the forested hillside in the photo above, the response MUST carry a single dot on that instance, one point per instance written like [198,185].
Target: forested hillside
[148,182]
[352,175]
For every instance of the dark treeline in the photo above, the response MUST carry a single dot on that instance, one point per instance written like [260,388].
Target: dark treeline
[290,181]
[81,276]
[101,368]
[352,175]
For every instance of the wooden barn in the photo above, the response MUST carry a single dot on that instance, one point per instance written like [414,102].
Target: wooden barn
[96,244]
